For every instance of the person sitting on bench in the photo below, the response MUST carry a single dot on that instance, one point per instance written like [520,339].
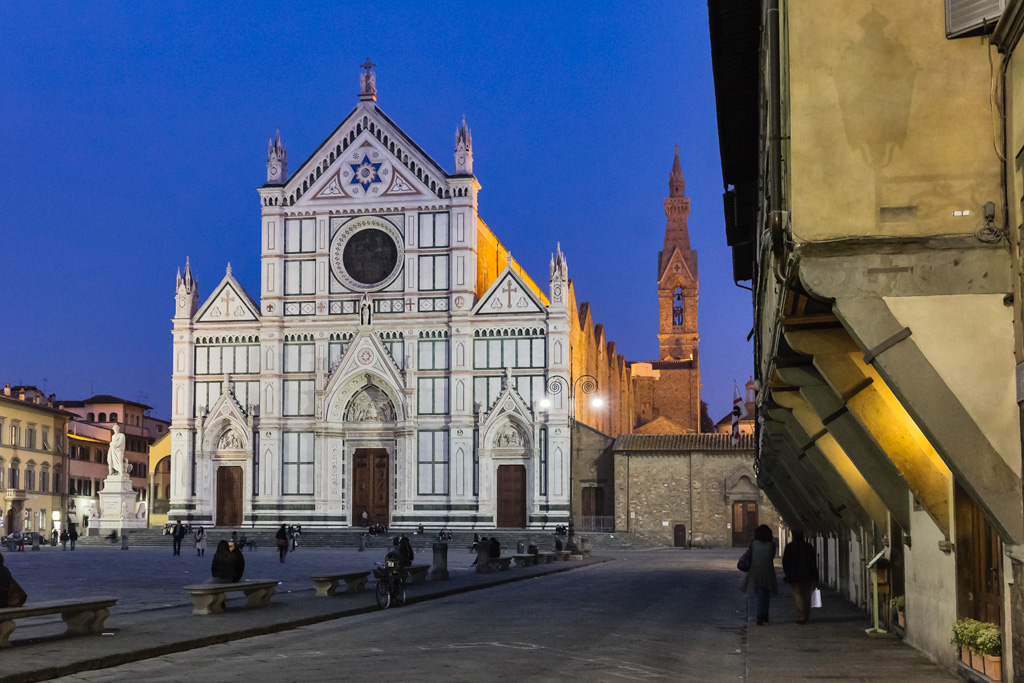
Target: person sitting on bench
[224,564]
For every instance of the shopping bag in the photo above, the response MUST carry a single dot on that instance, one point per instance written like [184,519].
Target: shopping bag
[816,598]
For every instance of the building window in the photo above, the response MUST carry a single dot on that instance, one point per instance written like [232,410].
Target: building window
[513,352]
[396,347]
[543,464]
[103,417]
[433,395]
[30,436]
[91,417]
[30,479]
[432,461]
[97,455]
[15,435]
[299,357]
[433,273]
[476,462]
[113,417]
[299,277]
[433,230]
[3,473]
[44,480]
[433,354]
[14,477]
[298,397]
[46,438]
[228,360]
[299,236]
[677,307]
[297,463]
[335,350]
[57,482]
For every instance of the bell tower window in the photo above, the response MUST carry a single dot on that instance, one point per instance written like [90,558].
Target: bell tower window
[677,307]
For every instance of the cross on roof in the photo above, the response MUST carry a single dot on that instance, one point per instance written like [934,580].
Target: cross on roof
[369,65]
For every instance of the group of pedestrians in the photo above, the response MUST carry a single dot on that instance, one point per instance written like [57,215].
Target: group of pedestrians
[799,566]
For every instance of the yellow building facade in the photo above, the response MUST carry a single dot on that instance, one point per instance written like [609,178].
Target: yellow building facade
[863,164]
[33,444]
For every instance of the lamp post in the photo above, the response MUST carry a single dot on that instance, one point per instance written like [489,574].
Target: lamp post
[588,385]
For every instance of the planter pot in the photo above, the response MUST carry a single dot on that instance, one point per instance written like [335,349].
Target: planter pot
[901,620]
[965,655]
[977,661]
[993,667]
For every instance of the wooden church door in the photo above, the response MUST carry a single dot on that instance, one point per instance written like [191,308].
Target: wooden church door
[370,482]
[511,496]
[229,496]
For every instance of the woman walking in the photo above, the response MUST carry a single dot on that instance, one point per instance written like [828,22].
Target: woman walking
[761,576]
[200,541]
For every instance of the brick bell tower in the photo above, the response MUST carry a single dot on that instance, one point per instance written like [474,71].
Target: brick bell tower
[677,276]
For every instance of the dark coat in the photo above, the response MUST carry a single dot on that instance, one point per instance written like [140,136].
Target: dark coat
[799,563]
[5,585]
[494,550]
[762,567]
[224,566]
[405,551]
[239,564]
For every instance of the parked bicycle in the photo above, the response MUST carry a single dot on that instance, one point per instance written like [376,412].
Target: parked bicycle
[390,581]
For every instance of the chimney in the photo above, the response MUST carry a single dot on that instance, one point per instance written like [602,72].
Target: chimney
[21,394]
[7,389]
[51,399]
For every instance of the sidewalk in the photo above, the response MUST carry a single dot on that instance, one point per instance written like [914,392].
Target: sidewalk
[831,645]
[147,633]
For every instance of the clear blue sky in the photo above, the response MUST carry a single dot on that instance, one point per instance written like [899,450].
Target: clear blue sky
[134,135]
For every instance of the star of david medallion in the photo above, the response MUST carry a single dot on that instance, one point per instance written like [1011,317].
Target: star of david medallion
[365,173]
[365,356]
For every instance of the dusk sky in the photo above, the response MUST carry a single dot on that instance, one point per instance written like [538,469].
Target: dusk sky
[135,134]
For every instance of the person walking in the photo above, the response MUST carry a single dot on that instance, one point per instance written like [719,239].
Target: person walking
[73,536]
[21,541]
[282,541]
[176,536]
[200,541]
[800,571]
[64,539]
[761,576]
[223,565]
[366,518]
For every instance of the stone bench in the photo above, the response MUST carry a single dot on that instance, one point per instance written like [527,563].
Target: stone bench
[81,616]
[327,585]
[417,573]
[208,598]
[524,559]
[545,558]
[562,555]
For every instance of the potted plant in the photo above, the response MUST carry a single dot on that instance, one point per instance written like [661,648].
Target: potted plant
[899,605]
[964,638]
[989,642]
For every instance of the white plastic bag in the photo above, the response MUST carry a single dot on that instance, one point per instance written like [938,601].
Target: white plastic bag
[816,598]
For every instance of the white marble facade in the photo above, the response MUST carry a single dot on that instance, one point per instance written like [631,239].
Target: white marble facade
[378,339]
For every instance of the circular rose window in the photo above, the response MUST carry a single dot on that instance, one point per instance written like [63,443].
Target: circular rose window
[366,254]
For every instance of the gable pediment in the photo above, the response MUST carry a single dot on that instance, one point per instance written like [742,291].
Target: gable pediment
[366,362]
[508,294]
[506,423]
[367,158]
[229,303]
[677,269]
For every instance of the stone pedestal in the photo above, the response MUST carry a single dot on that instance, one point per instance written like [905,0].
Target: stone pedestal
[440,564]
[117,506]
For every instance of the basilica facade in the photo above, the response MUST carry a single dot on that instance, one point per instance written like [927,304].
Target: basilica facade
[398,360]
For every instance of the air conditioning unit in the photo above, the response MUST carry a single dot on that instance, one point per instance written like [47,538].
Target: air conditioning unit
[972,17]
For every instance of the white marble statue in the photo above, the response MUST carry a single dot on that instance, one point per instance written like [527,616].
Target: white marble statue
[115,454]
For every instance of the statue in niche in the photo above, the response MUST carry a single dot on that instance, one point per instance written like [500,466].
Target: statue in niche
[365,310]
[230,441]
[370,405]
[115,454]
[510,438]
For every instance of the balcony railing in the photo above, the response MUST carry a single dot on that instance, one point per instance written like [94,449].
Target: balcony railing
[597,523]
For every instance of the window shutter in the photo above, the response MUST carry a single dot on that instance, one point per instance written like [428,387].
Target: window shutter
[972,17]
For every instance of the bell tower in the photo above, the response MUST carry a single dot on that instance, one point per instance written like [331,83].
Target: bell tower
[277,161]
[677,276]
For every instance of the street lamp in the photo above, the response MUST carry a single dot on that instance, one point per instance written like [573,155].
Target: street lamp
[588,385]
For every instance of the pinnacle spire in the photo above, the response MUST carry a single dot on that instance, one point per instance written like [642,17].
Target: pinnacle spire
[676,182]
[463,148]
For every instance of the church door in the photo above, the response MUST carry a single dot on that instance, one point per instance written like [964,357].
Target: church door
[229,496]
[744,521]
[679,536]
[511,496]
[370,483]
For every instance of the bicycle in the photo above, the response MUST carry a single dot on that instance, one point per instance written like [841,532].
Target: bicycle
[390,581]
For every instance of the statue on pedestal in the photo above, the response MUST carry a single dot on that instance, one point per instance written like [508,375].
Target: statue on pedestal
[115,454]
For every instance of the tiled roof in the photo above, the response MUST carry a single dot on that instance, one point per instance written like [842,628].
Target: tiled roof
[107,398]
[682,442]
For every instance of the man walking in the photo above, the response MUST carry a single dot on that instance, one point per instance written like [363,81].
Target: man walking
[800,570]
[176,536]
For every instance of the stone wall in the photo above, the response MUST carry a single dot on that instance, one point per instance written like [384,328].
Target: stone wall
[656,490]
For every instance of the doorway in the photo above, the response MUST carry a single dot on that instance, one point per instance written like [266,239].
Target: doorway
[744,522]
[370,486]
[512,496]
[978,562]
[229,496]
[679,536]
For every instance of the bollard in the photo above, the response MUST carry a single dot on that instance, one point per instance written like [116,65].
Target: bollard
[440,564]
[521,547]
[124,540]
[35,541]
[362,542]
[482,555]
